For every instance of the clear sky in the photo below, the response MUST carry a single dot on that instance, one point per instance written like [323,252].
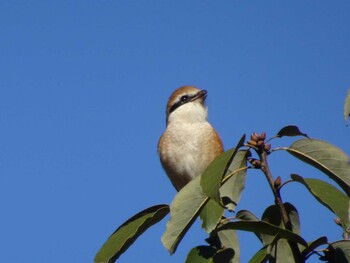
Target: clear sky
[83,88]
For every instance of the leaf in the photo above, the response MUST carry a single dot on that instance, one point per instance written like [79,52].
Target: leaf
[290,130]
[347,106]
[249,216]
[313,245]
[263,228]
[260,256]
[128,232]
[283,253]
[293,217]
[184,210]
[339,252]
[211,215]
[329,196]
[212,176]
[246,215]
[201,254]
[326,158]
[224,256]
[272,215]
[231,190]
[208,254]
[229,240]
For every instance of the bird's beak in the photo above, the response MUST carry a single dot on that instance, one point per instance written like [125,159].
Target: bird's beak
[200,95]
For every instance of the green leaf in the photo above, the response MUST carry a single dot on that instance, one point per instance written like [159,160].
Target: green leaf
[339,252]
[246,215]
[229,240]
[313,245]
[282,252]
[224,256]
[128,232]
[201,254]
[326,158]
[211,215]
[184,209]
[329,196]
[272,215]
[226,243]
[231,190]
[212,176]
[260,257]
[290,130]
[347,106]
[249,216]
[263,228]
[208,254]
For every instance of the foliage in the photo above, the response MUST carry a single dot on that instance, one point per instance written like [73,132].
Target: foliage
[219,189]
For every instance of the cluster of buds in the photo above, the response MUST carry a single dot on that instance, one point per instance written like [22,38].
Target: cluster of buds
[258,141]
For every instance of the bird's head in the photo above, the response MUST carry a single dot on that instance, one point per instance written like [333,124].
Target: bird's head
[187,104]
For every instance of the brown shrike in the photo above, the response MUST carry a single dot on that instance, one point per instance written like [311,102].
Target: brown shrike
[189,143]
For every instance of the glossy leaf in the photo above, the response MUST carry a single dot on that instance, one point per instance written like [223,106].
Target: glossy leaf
[212,176]
[329,196]
[325,157]
[263,228]
[347,106]
[128,232]
[290,130]
[201,254]
[184,209]
[231,189]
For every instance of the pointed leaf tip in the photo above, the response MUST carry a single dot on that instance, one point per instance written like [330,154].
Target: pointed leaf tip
[290,130]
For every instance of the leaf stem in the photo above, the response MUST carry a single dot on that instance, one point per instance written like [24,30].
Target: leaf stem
[278,201]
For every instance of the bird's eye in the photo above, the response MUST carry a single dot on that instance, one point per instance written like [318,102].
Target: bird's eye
[184,98]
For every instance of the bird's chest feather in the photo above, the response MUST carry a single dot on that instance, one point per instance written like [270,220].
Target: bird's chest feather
[186,145]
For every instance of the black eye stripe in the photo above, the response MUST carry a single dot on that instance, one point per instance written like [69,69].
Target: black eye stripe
[184,99]
[175,106]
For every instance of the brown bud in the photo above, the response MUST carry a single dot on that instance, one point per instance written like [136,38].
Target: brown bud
[251,160]
[262,136]
[260,143]
[252,143]
[254,136]
[267,147]
[257,163]
[277,182]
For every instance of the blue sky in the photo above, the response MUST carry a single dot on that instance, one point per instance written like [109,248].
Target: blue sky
[83,88]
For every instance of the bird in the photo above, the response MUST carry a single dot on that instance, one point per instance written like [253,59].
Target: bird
[189,143]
